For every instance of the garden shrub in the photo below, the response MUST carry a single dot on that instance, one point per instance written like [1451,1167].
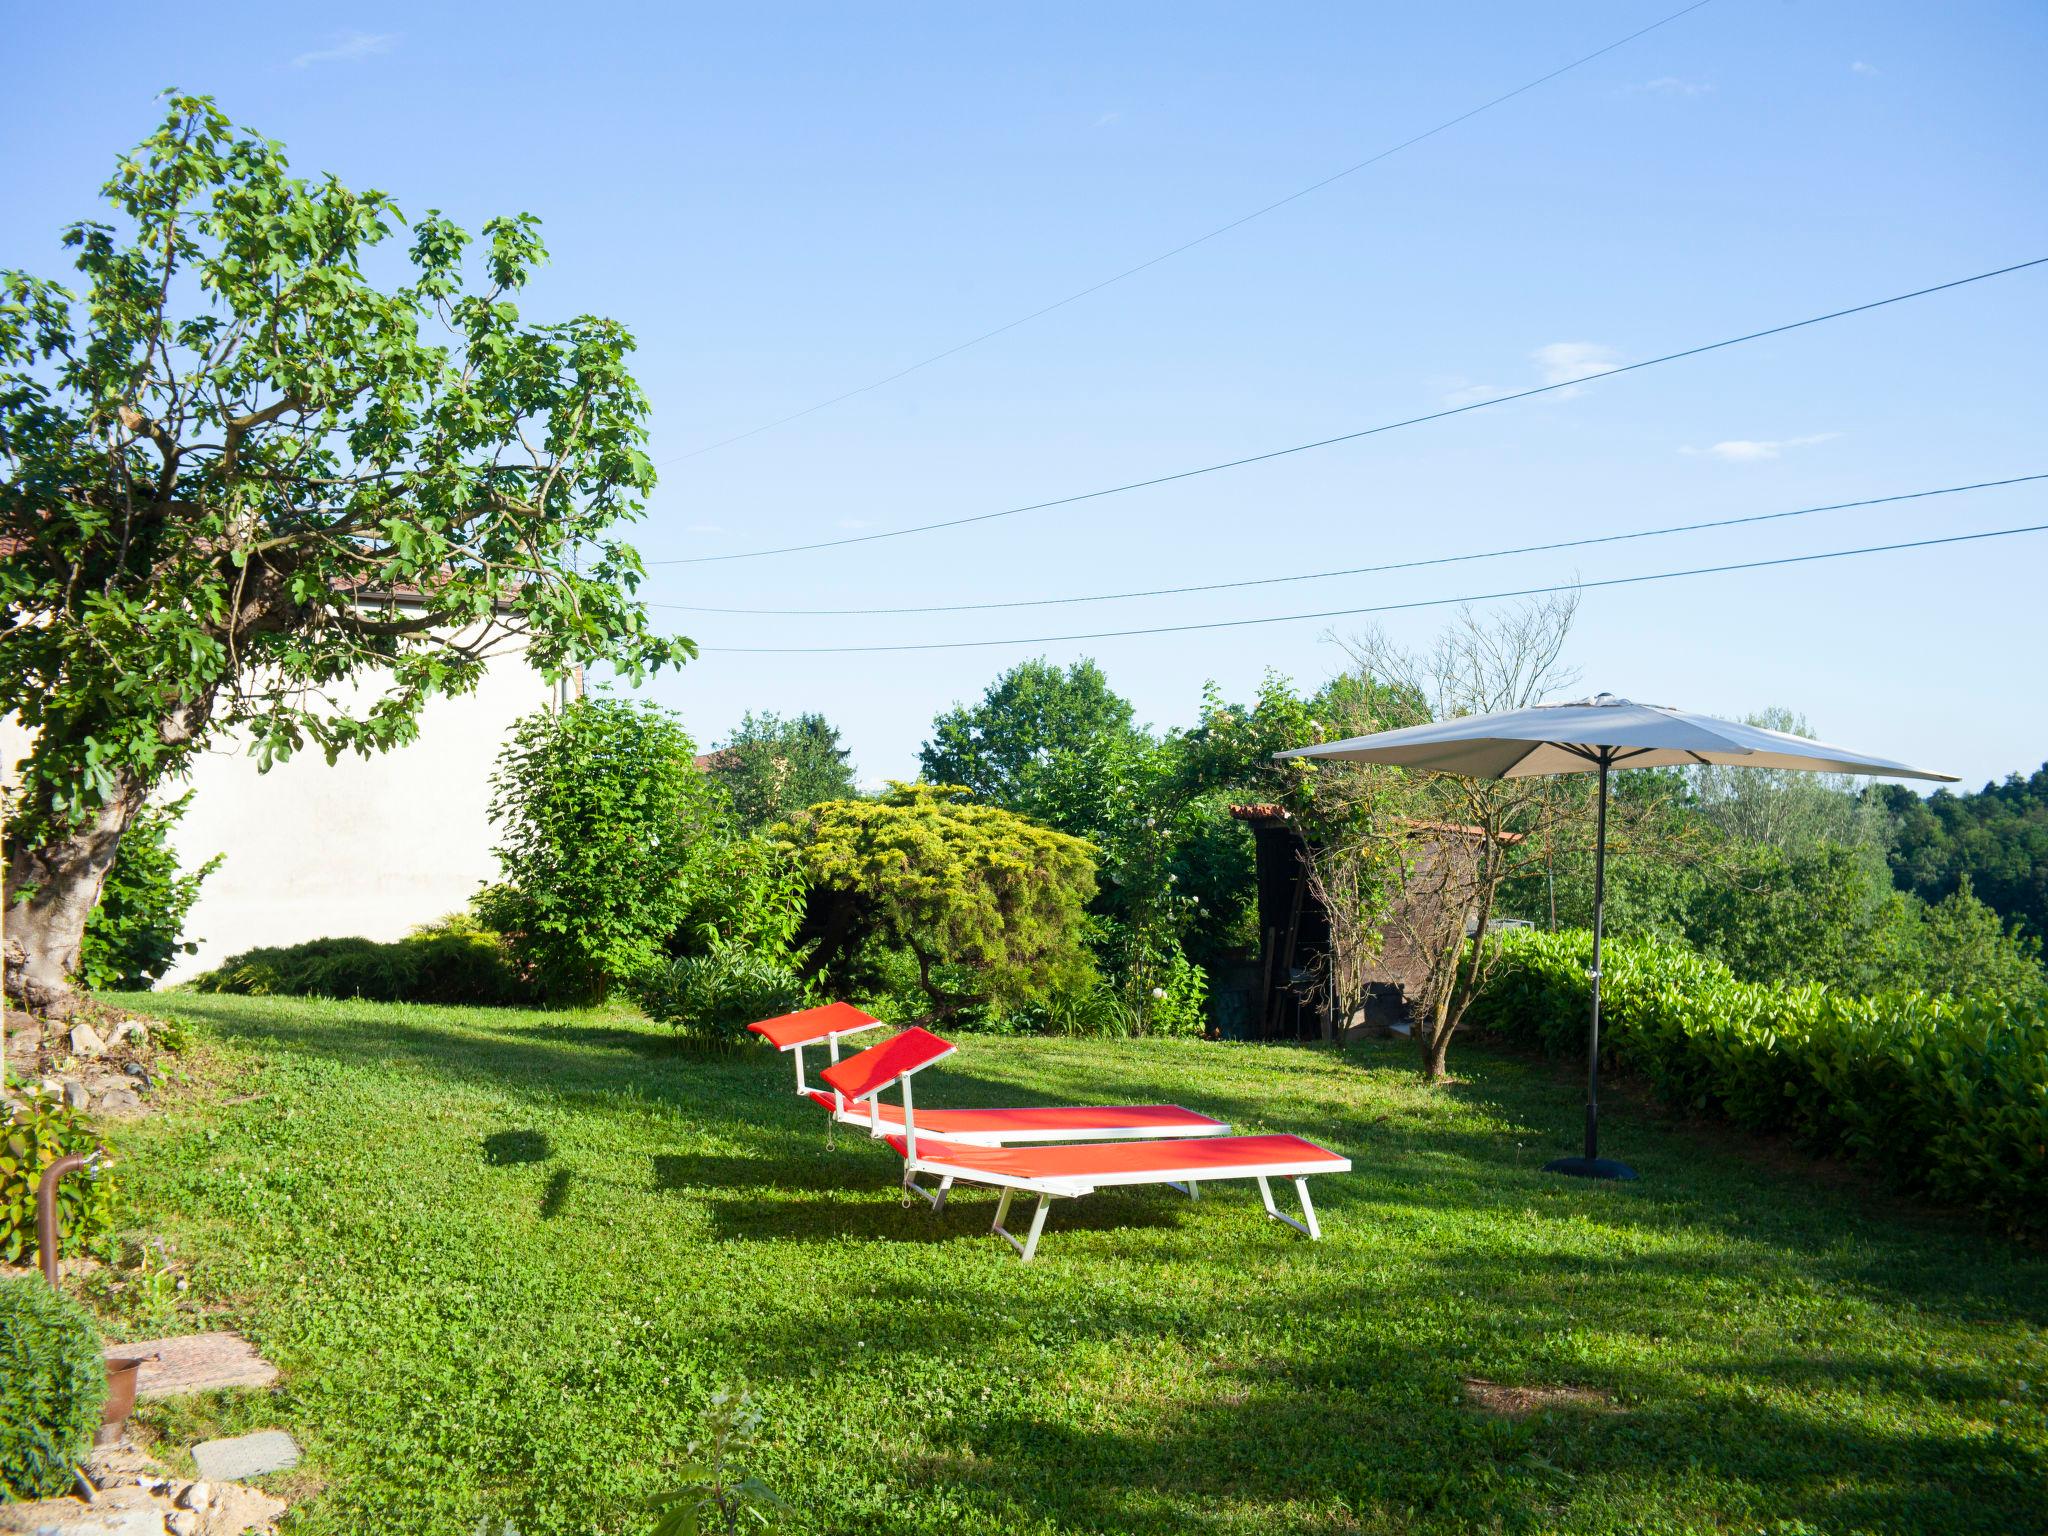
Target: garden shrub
[605,819]
[136,932]
[455,960]
[717,994]
[38,1129]
[53,1385]
[1946,1095]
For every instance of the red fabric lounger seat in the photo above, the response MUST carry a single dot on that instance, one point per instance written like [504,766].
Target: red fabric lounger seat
[1061,1121]
[813,1024]
[1131,1162]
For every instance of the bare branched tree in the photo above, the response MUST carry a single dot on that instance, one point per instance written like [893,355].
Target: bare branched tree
[1463,837]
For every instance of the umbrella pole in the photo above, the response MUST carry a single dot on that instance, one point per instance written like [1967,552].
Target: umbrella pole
[1599,925]
[1593,1165]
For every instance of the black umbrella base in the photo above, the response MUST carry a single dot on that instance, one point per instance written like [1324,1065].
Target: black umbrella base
[1589,1168]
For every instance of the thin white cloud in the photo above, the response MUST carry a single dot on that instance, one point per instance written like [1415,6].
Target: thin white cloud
[348,48]
[1861,68]
[1671,85]
[1459,392]
[1746,450]
[1566,362]
[1107,118]
[855,524]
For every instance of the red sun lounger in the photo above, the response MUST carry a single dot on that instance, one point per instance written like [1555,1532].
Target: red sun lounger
[1068,1172]
[975,1127]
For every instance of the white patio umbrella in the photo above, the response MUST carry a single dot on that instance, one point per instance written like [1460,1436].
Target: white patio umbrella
[1599,735]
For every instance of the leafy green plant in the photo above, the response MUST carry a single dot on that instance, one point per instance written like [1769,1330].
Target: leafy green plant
[136,932]
[229,446]
[718,1496]
[1944,1094]
[453,960]
[988,904]
[605,820]
[39,1129]
[715,995]
[52,1387]
[773,766]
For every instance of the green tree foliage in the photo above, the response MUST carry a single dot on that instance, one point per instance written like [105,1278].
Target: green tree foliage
[1040,742]
[605,823]
[136,932]
[235,473]
[774,766]
[1997,839]
[52,1387]
[988,905]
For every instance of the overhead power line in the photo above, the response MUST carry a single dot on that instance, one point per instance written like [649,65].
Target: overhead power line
[1348,613]
[1363,570]
[1188,245]
[1364,432]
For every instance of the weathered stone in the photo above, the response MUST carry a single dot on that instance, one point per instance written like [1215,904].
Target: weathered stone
[269,1450]
[121,1101]
[131,1032]
[86,1041]
[197,1362]
[182,1522]
[76,1094]
[24,1036]
[140,1073]
[195,1496]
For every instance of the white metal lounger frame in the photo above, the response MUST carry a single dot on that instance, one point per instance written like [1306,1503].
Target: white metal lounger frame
[1050,1189]
[830,1040]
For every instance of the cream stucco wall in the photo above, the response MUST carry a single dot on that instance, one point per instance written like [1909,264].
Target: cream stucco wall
[367,846]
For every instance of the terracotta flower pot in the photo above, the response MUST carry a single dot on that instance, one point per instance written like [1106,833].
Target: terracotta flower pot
[122,1376]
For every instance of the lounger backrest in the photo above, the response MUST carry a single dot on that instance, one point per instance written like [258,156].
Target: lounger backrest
[890,1062]
[811,1025]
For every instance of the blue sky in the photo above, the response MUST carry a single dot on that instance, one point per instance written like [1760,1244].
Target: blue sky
[784,202]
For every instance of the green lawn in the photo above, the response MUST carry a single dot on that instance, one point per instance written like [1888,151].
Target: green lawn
[502,1257]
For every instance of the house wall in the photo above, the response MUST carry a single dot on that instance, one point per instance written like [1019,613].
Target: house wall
[369,847]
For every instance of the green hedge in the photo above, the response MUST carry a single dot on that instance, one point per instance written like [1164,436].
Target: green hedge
[1945,1095]
[52,1387]
[454,961]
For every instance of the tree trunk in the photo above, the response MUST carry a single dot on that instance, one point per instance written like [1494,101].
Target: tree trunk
[65,871]
[1436,1050]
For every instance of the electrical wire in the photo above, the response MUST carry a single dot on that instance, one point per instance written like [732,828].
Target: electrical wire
[1346,613]
[1189,245]
[1362,570]
[1364,432]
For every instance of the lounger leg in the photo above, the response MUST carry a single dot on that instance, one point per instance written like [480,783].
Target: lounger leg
[935,1198]
[1308,1211]
[1307,1227]
[1191,1189]
[1030,1244]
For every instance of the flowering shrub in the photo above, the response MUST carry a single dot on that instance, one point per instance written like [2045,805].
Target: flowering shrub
[1946,1095]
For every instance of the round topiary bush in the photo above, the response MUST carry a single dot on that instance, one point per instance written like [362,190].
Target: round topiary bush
[53,1385]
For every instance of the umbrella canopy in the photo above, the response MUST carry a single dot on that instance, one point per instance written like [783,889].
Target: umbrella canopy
[1574,738]
[1598,735]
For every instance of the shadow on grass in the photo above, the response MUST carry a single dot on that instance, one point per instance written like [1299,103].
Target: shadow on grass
[509,1149]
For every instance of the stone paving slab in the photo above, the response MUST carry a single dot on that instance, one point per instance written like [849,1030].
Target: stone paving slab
[225,1461]
[196,1362]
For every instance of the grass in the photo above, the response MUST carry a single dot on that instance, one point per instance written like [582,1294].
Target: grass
[503,1258]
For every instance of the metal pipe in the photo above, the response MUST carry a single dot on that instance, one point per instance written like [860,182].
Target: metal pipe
[46,1211]
[1599,917]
